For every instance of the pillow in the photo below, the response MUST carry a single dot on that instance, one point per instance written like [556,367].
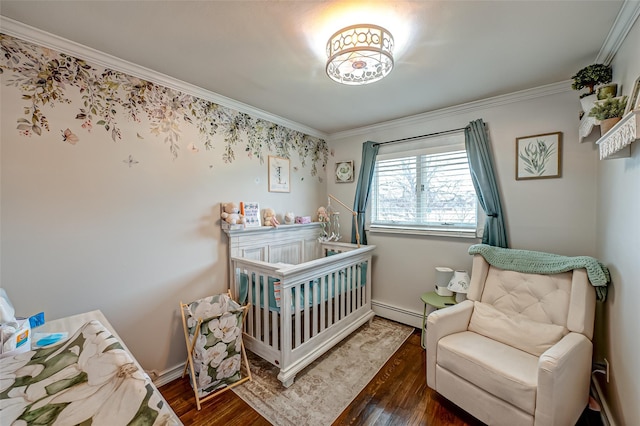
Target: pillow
[527,335]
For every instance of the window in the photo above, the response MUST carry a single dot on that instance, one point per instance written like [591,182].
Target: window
[424,186]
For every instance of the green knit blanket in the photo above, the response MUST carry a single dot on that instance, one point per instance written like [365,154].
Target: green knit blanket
[537,262]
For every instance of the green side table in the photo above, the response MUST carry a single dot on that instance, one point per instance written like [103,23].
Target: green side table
[434,299]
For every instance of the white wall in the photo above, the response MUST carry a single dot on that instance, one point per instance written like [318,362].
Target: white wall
[81,230]
[554,215]
[618,246]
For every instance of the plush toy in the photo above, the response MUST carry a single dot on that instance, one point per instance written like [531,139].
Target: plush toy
[289,218]
[323,216]
[270,218]
[231,214]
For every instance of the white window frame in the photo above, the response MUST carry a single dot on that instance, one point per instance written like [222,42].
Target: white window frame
[428,145]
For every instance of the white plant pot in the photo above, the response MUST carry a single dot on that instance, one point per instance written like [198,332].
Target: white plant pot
[588,102]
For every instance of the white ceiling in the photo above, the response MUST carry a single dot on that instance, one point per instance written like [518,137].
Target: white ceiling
[270,54]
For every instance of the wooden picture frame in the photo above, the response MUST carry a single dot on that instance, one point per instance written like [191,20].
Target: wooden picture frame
[633,102]
[344,171]
[279,174]
[539,156]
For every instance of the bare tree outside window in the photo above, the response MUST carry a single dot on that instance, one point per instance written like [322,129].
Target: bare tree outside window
[427,190]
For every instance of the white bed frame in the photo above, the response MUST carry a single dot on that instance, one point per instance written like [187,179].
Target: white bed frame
[297,335]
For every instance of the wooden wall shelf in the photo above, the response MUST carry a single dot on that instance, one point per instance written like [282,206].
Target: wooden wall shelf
[616,143]
[586,126]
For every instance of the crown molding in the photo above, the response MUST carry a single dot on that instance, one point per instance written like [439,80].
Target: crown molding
[34,35]
[496,101]
[629,12]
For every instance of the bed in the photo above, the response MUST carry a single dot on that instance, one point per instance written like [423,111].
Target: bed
[90,378]
[305,295]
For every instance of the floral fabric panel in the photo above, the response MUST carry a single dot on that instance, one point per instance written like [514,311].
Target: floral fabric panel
[217,354]
[89,379]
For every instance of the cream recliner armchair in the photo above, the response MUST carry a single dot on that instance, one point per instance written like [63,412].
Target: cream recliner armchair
[518,350]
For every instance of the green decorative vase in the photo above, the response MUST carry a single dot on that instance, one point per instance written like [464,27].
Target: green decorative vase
[608,91]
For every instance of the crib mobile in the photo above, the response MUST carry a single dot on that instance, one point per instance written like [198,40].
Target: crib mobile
[330,221]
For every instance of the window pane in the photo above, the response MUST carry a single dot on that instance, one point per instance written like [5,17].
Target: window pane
[426,190]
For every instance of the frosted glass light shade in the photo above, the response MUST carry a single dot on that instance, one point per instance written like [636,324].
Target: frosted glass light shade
[459,282]
[360,54]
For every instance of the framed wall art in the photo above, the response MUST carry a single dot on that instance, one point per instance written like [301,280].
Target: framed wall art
[251,212]
[279,179]
[344,171]
[539,156]
[633,102]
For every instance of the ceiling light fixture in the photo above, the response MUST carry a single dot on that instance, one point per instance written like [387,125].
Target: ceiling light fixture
[360,54]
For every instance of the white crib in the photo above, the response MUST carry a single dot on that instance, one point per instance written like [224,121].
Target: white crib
[305,295]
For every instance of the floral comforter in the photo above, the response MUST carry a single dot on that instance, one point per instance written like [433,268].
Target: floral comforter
[89,379]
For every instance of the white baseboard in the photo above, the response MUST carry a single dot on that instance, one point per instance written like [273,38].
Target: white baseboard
[166,376]
[395,313]
[605,412]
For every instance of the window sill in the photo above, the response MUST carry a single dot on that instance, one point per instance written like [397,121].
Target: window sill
[453,233]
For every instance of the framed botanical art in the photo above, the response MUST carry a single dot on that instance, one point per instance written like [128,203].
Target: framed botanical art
[279,179]
[633,102]
[344,171]
[539,156]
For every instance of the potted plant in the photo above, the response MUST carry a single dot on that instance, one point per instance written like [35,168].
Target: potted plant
[608,112]
[607,91]
[589,77]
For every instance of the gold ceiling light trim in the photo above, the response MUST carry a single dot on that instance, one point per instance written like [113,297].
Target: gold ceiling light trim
[360,54]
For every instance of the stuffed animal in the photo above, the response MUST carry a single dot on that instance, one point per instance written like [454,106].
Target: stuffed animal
[270,218]
[323,216]
[231,214]
[289,218]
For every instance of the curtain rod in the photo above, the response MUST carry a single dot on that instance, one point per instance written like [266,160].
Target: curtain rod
[422,136]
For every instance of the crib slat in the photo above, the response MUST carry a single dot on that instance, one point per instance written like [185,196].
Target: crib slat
[260,293]
[275,330]
[315,307]
[323,301]
[342,287]
[336,296]
[265,311]
[251,301]
[296,315]
[359,286]
[307,292]
[349,290]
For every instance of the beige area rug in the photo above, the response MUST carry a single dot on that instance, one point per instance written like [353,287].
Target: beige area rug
[325,388]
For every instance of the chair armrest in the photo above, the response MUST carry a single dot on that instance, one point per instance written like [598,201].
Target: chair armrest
[564,373]
[441,323]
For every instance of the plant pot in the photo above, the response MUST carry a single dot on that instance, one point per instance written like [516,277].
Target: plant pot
[608,91]
[588,102]
[606,125]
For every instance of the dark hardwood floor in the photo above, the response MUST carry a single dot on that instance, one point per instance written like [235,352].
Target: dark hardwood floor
[397,395]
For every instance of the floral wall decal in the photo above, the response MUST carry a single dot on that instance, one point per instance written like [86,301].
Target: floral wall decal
[46,78]
[130,161]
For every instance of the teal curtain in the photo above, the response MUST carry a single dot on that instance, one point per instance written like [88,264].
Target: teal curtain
[363,188]
[484,181]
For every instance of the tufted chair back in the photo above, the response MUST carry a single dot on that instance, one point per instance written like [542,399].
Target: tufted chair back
[564,299]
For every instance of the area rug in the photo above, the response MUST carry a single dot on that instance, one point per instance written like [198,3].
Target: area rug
[326,387]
